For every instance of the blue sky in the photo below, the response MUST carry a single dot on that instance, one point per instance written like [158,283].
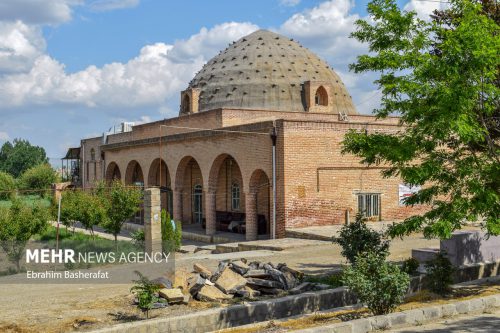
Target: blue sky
[71,69]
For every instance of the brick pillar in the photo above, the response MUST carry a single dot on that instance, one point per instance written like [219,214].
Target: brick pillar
[251,216]
[210,213]
[177,205]
[152,220]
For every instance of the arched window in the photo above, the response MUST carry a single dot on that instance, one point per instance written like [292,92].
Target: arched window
[235,196]
[92,154]
[186,104]
[321,97]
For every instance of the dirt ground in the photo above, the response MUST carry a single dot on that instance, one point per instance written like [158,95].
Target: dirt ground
[65,308]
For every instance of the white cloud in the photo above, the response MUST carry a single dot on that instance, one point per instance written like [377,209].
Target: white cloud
[4,136]
[107,5]
[158,73]
[325,29]
[425,8]
[37,11]
[20,45]
[208,42]
[289,3]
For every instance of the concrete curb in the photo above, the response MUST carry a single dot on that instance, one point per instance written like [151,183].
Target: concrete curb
[242,314]
[411,317]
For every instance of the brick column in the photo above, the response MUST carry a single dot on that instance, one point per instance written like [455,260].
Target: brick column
[152,220]
[251,216]
[210,214]
[177,205]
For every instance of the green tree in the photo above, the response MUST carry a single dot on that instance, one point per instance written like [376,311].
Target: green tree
[84,207]
[7,186]
[378,284]
[123,203]
[39,177]
[442,78]
[18,224]
[19,156]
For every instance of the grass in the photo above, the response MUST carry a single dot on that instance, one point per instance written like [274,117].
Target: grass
[29,199]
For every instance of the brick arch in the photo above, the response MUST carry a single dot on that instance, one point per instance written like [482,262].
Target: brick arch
[321,96]
[134,173]
[154,174]
[181,170]
[258,179]
[215,170]
[113,172]
[259,205]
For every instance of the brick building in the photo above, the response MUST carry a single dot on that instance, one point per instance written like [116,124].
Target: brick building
[256,147]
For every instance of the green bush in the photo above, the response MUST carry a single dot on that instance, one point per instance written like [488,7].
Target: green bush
[7,186]
[410,266]
[138,238]
[40,178]
[377,283]
[171,236]
[18,224]
[146,293]
[440,274]
[356,239]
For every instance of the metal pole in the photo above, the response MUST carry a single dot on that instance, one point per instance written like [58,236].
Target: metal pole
[58,220]
[273,137]
[83,164]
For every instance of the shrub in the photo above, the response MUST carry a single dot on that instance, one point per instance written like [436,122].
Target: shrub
[138,238]
[410,266]
[146,293]
[440,274]
[378,284]
[39,177]
[171,233]
[18,224]
[7,186]
[356,239]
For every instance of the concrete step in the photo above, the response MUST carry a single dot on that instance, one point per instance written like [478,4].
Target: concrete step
[227,248]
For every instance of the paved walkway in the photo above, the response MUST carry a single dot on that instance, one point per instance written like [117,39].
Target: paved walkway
[483,323]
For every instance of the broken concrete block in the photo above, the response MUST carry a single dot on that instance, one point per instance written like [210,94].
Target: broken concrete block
[276,275]
[196,284]
[302,288]
[240,267]
[212,294]
[247,292]
[163,282]
[271,291]
[186,299]
[202,270]
[264,283]
[257,273]
[229,281]
[291,281]
[172,295]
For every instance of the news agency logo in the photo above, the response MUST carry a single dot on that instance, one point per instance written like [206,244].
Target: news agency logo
[69,256]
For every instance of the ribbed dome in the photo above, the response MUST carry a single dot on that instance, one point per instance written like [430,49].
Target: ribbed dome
[265,70]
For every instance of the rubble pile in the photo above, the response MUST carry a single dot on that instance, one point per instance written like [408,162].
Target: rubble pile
[246,280]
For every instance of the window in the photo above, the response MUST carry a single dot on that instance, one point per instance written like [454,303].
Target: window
[321,97]
[235,196]
[92,154]
[186,104]
[369,204]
